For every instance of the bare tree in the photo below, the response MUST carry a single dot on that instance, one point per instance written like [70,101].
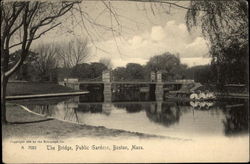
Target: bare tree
[74,52]
[22,22]
[46,62]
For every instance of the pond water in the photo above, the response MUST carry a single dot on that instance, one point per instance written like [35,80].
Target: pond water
[182,119]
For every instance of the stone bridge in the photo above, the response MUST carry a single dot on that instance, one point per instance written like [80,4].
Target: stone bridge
[155,80]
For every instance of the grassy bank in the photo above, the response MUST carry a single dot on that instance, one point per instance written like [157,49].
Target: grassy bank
[30,125]
[30,88]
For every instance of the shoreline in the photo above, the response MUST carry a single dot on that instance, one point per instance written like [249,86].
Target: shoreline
[25,124]
[76,93]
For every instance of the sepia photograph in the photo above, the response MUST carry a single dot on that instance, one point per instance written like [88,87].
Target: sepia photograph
[124,81]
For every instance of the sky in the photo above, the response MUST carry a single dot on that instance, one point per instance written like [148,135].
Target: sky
[139,31]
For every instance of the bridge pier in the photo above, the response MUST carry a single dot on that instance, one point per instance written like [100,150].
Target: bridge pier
[156,107]
[152,76]
[107,92]
[159,87]
[106,108]
[159,107]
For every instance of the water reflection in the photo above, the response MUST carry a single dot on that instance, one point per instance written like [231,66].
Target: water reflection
[131,108]
[125,92]
[236,121]
[164,113]
[202,105]
[162,117]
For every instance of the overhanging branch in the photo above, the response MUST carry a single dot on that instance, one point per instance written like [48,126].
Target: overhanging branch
[42,33]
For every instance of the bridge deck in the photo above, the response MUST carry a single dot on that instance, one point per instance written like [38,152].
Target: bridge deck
[123,82]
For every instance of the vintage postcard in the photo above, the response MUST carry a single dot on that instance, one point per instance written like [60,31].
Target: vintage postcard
[130,81]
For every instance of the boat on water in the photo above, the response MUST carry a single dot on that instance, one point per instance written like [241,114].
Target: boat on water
[202,95]
[192,92]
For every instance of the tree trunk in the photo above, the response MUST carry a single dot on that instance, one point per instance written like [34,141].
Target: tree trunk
[4,81]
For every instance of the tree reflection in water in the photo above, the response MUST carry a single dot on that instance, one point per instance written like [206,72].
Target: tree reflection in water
[131,108]
[164,113]
[235,113]
[90,108]
[236,121]
[43,109]
[63,110]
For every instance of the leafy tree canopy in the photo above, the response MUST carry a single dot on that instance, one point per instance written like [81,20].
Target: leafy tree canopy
[222,22]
